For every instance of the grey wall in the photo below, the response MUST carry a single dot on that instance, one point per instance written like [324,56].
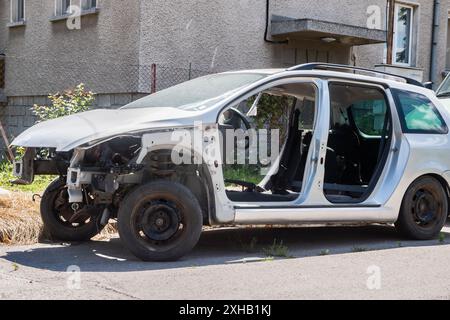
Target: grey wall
[211,34]
[351,12]
[45,56]
[3,22]
[220,35]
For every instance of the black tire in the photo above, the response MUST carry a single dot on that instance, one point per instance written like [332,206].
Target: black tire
[54,207]
[424,210]
[160,221]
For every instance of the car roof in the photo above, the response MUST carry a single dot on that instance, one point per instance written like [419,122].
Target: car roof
[386,80]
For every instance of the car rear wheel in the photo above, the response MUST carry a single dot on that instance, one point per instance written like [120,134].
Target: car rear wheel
[160,221]
[61,221]
[424,209]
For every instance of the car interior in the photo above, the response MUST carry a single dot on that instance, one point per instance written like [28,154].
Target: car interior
[359,136]
[358,141]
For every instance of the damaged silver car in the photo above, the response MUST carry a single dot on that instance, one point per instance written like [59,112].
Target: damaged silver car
[344,145]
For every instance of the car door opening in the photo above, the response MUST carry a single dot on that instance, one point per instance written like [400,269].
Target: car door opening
[289,109]
[358,142]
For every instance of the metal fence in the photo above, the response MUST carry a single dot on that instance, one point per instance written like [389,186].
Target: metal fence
[34,77]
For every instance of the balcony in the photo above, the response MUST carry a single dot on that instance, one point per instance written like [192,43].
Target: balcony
[311,29]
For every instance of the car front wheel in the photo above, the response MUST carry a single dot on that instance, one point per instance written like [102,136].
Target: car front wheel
[424,209]
[61,221]
[160,221]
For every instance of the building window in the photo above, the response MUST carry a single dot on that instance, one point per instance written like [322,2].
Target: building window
[17,11]
[62,7]
[403,29]
[88,4]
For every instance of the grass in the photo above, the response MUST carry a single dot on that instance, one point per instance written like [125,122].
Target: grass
[442,238]
[20,221]
[277,250]
[39,185]
[244,173]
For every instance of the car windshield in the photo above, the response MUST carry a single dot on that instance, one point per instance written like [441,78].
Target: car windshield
[199,93]
[444,89]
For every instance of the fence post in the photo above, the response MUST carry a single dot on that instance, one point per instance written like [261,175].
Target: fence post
[190,70]
[153,78]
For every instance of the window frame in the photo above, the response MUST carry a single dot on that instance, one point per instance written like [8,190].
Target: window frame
[362,133]
[14,6]
[58,4]
[402,117]
[411,39]
[367,85]
[91,7]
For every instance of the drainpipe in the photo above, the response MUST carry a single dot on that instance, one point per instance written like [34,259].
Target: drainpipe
[266,33]
[434,41]
[390,30]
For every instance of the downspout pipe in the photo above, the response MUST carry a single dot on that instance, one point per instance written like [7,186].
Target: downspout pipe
[266,33]
[434,39]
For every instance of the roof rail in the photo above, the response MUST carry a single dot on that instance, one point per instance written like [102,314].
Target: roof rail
[330,66]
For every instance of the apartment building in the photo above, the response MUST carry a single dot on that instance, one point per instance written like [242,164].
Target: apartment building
[123,50]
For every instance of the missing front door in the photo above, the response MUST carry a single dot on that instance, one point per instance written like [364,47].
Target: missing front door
[360,133]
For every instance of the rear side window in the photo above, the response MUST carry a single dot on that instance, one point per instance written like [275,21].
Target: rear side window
[418,114]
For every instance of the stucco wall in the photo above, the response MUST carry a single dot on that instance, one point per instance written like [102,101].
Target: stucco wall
[45,56]
[3,22]
[351,12]
[221,35]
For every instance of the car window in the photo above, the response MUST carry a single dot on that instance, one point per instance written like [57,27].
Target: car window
[418,114]
[199,93]
[369,116]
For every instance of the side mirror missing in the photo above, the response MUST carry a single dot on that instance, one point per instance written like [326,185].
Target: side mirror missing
[253,112]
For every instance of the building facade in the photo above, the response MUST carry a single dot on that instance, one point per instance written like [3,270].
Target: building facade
[123,50]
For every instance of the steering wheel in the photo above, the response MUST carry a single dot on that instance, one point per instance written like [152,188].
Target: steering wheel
[231,121]
[242,116]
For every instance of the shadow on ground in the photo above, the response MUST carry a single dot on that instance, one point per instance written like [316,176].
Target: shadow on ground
[217,247]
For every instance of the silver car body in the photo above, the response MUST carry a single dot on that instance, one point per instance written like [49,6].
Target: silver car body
[410,155]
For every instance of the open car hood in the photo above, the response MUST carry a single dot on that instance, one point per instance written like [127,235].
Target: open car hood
[72,131]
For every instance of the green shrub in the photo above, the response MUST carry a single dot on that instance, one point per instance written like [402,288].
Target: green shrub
[66,103]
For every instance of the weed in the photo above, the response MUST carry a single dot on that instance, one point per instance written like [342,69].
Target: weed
[277,250]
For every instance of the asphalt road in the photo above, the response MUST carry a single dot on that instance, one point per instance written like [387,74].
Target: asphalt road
[322,263]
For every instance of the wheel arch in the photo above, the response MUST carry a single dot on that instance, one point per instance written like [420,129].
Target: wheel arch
[196,177]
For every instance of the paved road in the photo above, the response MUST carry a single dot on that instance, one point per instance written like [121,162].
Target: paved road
[326,263]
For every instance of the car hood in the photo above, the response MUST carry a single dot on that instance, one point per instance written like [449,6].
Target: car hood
[72,131]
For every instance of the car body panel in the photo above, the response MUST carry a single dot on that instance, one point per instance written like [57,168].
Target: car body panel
[72,131]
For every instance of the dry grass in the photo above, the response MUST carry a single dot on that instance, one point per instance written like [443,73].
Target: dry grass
[20,221]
